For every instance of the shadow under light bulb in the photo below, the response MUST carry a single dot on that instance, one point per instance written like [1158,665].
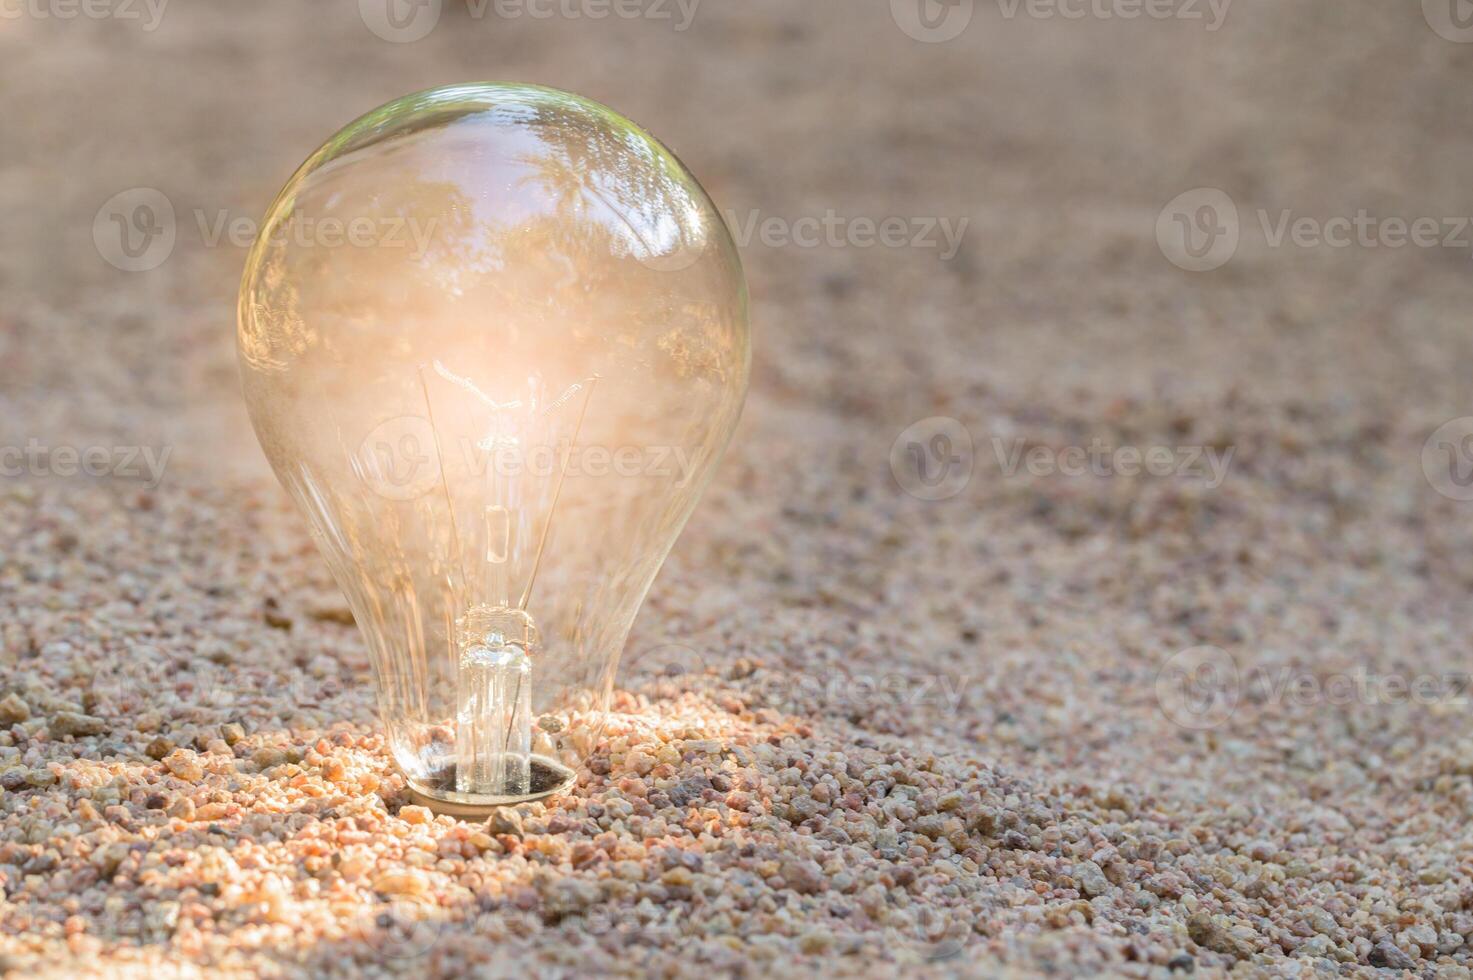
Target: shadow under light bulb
[493,340]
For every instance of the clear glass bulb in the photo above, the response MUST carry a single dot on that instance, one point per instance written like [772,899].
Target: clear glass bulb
[493,340]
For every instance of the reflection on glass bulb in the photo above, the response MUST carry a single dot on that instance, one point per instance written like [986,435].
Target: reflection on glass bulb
[496,397]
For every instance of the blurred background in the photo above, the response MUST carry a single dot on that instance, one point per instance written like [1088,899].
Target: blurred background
[1237,231]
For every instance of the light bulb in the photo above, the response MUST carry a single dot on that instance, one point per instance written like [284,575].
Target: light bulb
[493,340]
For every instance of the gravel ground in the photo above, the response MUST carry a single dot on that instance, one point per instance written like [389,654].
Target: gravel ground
[858,730]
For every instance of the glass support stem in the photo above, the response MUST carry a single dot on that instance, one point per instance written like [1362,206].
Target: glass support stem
[493,725]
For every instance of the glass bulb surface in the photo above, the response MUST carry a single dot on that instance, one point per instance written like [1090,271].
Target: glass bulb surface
[493,340]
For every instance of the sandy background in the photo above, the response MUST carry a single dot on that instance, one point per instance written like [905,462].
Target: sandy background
[192,775]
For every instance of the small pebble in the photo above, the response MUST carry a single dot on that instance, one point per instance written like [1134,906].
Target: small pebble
[640,762]
[505,821]
[77,725]
[13,710]
[267,758]
[1386,954]
[401,883]
[184,764]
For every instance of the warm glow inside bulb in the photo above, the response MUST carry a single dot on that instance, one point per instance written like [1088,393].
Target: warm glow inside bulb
[493,340]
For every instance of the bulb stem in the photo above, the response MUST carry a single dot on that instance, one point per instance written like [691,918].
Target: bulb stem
[493,722]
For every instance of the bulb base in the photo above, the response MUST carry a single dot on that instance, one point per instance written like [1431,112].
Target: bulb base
[548,778]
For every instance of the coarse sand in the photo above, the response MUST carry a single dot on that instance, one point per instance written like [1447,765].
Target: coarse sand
[857,732]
